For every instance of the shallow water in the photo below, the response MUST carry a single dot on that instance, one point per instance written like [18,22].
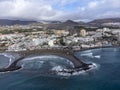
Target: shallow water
[38,73]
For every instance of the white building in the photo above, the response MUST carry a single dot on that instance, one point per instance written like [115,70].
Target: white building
[51,43]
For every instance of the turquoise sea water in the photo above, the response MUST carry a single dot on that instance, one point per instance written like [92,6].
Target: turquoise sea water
[38,72]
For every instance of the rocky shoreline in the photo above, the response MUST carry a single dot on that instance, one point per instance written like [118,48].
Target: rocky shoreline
[68,54]
[78,64]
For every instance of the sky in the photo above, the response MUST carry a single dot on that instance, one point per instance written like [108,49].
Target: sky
[49,10]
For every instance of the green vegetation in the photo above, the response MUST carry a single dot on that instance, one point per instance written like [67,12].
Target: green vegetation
[6,32]
[62,42]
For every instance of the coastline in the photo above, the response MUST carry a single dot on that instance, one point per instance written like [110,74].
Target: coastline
[84,49]
[62,49]
[78,64]
[68,54]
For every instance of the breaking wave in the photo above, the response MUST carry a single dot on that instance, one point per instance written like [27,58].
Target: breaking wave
[60,70]
[90,55]
[51,64]
[97,56]
[51,59]
[47,64]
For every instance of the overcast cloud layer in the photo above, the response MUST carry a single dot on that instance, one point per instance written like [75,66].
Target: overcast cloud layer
[59,9]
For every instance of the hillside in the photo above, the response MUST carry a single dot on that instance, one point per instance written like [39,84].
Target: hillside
[13,22]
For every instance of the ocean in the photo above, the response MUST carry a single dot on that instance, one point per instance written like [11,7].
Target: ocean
[41,72]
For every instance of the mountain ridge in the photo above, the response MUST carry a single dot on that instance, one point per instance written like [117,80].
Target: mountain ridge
[14,22]
[62,25]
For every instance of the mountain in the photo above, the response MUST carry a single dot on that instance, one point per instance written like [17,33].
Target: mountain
[70,23]
[98,22]
[82,23]
[13,22]
[63,25]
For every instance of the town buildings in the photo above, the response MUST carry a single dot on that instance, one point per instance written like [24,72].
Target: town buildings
[35,37]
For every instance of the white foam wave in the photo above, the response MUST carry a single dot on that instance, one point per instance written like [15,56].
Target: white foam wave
[11,57]
[57,68]
[98,56]
[30,62]
[94,66]
[48,57]
[60,70]
[43,57]
[87,54]
[91,55]
[82,72]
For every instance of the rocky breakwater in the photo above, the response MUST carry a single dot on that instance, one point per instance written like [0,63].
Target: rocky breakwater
[78,64]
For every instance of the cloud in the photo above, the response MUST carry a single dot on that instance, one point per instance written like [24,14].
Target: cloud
[66,2]
[93,4]
[59,9]
[100,9]
[28,9]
